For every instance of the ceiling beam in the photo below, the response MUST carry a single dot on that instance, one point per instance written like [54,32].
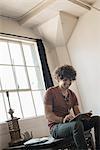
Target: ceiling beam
[81,3]
[35,10]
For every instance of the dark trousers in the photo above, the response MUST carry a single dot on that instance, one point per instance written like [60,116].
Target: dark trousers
[75,130]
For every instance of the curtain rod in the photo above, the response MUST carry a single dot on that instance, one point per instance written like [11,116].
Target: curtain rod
[18,36]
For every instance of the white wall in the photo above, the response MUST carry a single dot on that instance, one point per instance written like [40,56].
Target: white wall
[12,27]
[84,49]
[4,136]
[48,32]
[55,34]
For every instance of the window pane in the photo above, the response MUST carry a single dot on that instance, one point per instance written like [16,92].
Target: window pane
[20,68]
[16,53]
[4,53]
[27,104]
[38,100]
[3,116]
[30,55]
[14,102]
[21,78]
[7,78]
[35,78]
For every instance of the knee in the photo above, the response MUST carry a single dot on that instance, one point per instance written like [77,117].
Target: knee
[96,119]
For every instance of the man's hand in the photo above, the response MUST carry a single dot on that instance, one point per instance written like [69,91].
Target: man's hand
[68,118]
[88,115]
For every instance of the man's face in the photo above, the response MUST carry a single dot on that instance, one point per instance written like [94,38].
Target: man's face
[64,83]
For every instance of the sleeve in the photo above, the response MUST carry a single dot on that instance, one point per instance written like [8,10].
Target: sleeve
[48,97]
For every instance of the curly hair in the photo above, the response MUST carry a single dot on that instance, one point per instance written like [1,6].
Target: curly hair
[65,71]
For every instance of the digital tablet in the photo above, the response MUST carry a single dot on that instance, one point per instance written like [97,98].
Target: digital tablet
[82,116]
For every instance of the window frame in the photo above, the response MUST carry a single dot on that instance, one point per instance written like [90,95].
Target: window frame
[17,90]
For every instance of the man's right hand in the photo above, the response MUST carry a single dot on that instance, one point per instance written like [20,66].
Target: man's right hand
[68,118]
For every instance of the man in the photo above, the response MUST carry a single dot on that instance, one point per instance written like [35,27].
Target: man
[59,101]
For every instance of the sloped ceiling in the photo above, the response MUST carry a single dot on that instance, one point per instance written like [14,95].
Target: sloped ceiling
[17,8]
[34,12]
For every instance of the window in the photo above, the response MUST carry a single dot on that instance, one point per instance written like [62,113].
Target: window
[21,75]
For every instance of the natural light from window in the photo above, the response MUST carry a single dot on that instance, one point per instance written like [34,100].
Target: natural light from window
[21,75]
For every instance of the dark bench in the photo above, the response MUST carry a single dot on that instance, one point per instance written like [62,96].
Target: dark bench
[55,144]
